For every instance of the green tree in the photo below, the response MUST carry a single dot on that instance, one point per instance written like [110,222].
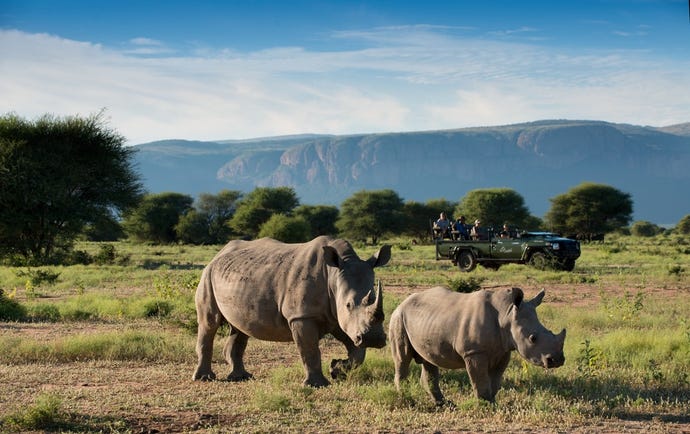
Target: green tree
[589,209]
[495,207]
[258,206]
[156,217]
[643,228]
[418,217]
[321,218]
[288,229]
[193,228]
[372,214]
[56,175]
[208,222]
[683,225]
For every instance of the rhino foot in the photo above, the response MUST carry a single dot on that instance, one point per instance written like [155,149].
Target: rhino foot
[210,376]
[239,376]
[339,368]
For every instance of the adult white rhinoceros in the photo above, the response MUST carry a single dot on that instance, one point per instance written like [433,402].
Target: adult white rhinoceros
[476,331]
[274,291]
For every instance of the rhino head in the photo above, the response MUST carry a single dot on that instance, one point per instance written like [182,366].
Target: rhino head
[358,305]
[533,341]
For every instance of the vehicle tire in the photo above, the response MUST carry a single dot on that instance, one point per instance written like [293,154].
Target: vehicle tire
[466,261]
[539,260]
[568,265]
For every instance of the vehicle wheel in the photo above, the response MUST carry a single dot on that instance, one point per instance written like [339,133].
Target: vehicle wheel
[466,261]
[568,265]
[539,260]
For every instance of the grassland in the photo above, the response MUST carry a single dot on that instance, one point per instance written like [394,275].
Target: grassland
[110,348]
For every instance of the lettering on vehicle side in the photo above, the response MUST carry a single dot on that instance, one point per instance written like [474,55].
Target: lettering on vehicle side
[505,250]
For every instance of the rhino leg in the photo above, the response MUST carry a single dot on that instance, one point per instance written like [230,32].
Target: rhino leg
[496,374]
[305,333]
[355,356]
[401,349]
[234,355]
[209,318]
[430,372]
[478,371]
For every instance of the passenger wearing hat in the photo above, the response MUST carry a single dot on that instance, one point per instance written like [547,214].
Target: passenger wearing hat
[476,230]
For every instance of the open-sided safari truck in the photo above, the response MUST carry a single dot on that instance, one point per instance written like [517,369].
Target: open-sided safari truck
[539,249]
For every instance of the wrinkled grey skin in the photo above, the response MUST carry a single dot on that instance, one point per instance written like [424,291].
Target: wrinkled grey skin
[274,291]
[476,331]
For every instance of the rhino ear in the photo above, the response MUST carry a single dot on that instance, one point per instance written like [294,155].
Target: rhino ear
[381,257]
[536,301]
[332,257]
[518,296]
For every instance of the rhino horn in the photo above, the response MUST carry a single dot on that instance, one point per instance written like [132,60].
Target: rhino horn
[379,298]
[377,306]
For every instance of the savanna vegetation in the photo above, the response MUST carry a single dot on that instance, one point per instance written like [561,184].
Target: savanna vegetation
[109,347]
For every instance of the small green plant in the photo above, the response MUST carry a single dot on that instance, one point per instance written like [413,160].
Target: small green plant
[466,285]
[625,308]
[653,373]
[43,415]
[590,360]
[675,270]
[106,254]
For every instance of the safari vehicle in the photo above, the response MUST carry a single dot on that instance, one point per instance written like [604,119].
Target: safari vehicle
[539,249]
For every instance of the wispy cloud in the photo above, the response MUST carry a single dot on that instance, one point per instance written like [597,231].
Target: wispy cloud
[402,79]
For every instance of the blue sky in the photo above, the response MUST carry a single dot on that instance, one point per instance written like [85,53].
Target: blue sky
[239,69]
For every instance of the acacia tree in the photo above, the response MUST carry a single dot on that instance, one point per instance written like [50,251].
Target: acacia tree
[372,214]
[321,218]
[589,209]
[495,207]
[288,229]
[207,223]
[156,217]
[56,175]
[258,206]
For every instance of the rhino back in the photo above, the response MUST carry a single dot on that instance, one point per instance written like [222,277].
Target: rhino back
[444,326]
[261,285]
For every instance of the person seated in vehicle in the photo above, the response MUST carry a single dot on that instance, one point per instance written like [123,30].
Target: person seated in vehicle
[505,232]
[476,231]
[442,226]
[460,229]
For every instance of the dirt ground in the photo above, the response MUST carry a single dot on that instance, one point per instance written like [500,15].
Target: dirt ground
[141,397]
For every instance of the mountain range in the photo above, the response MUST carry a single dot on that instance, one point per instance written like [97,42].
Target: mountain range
[539,160]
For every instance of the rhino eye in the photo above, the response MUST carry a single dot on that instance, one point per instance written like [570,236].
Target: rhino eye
[349,305]
[532,338]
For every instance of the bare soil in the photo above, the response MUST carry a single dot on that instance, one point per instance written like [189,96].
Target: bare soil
[140,397]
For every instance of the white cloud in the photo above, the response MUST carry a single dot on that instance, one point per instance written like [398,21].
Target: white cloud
[412,78]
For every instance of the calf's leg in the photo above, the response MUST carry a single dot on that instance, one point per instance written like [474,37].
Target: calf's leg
[478,371]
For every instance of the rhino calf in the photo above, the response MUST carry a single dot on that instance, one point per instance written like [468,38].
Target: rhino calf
[439,328]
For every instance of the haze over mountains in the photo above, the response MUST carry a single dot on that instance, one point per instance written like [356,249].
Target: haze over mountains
[538,159]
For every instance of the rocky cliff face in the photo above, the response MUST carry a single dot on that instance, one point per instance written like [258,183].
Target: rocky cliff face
[539,160]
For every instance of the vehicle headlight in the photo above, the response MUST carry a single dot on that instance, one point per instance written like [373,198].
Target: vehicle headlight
[555,246]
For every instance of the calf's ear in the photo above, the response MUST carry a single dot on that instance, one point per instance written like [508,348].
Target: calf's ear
[536,301]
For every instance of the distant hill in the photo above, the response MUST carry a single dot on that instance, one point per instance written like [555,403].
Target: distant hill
[538,159]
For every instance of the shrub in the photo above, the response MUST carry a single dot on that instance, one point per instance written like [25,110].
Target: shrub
[10,310]
[466,285]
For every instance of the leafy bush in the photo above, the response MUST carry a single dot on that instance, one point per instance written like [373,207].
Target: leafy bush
[10,310]
[37,276]
[466,284]
[43,415]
